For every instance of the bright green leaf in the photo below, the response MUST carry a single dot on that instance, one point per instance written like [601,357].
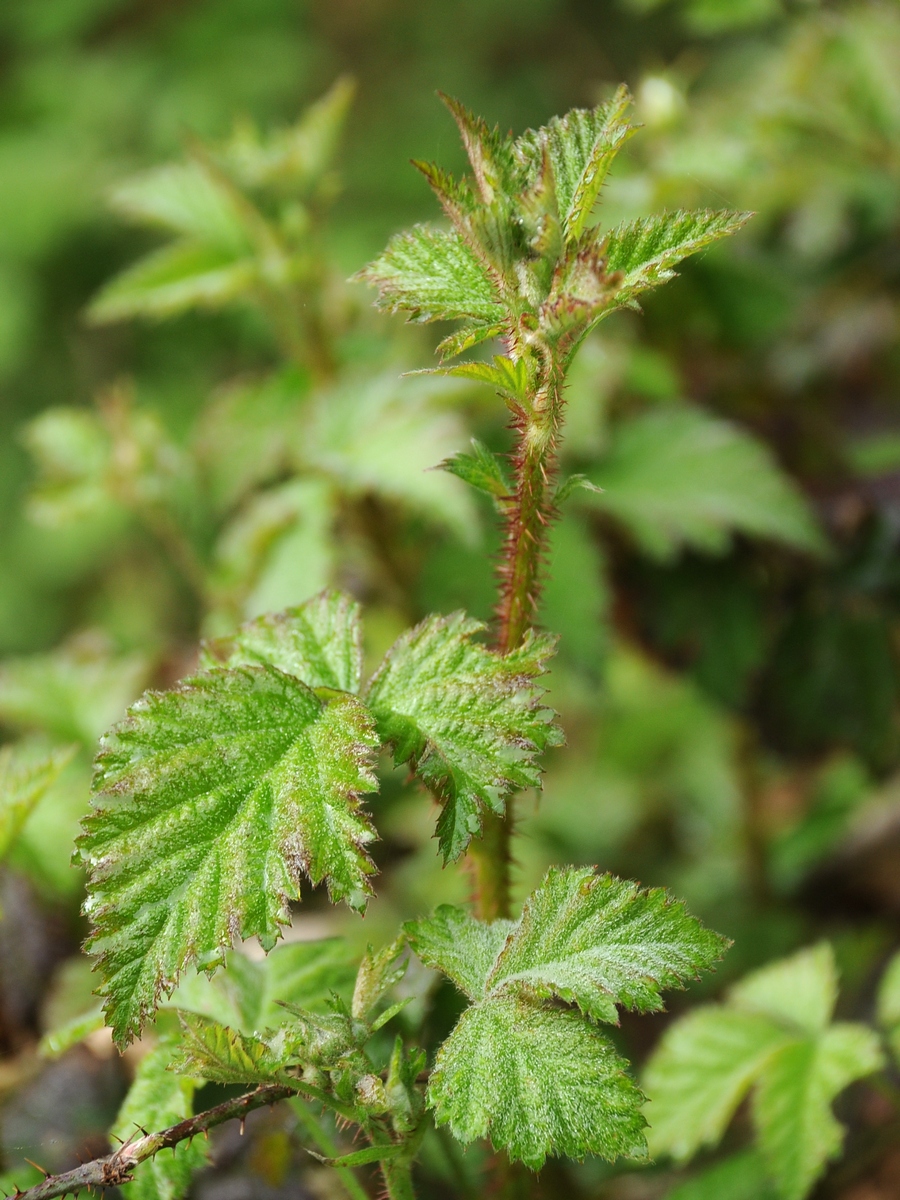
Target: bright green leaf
[433,276]
[536,1081]
[463,948]
[214,800]
[186,199]
[481,469]
[468,719]
[159,1098]
[740,1177]
[319,642]
[799,992]
[26,772]
[699,1074]
[798,1133]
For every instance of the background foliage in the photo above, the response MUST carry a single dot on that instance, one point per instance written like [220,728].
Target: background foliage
[728,674]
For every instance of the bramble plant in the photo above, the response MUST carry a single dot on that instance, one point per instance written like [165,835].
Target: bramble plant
[217,800]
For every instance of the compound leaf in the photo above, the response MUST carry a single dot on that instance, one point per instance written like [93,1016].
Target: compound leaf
[319,642]
[646,251]
[214,800]
[798,1133]
[701,1071]
[469,720]
[156,1099]
[599,941]
[537,1082]
[433,276]
[222,1055]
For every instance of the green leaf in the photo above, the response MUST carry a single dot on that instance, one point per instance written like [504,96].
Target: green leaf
[740,1177]
[433,276]
[646,251]
[249,996]
[599,941]
[889,1004]
[26,772]
[799,992]
[582,146]
[702,1069]
[319,642]
[159,1098]
[183,275]
[536,1081]
[465,338]
[481,469]
[678,477]
[214,800]
[469,720]
[508,376]
[370,1154]
[186,199]
[798,1133]
[378,971]
[463,948]
[571,485]
[222,1055]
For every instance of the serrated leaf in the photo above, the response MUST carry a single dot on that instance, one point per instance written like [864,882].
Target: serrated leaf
[599,941]
[582,146]
[702,1069]
[159,1098]
[798,1133]
[319,642]
[509,376]
[800,991]
[481,469]
[213,801]
[177,277]
[536,1081]
[433,276]
[647,250]
[249,996]
[463,948]
[679,477]
[26,772]
[222,1055]
[469,720]
[465,338]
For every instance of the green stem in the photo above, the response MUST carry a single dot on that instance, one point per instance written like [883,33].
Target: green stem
[397,1175]
[528,519]
[328,1147]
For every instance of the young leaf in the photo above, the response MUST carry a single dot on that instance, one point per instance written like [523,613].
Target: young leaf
[319,642]
[468,719]
[378,971]
[582,146]
[25,775]
[792,1106]
[506,375]
[159,1098]
[700,1073]
[646,251]
[464,949]
[799,991]
[481,469]
[214,800]
[185,199]
[679,477]
[433,276]
[598,941]
[537,1081]
[222,1055]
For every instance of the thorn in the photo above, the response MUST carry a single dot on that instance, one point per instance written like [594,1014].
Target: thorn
[46,1174]
[242,1126]
[116,1139]
[206,1134]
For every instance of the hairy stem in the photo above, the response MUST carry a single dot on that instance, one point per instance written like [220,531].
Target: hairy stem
[115,1169]
[528,519]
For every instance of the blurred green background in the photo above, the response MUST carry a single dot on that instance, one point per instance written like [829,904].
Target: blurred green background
[729,606]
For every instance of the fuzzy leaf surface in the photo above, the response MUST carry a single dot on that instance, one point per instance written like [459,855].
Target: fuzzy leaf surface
[460,946]
[319,642]
[647,250]
[537,1082]
[469,720]
[433,276]
[156,1099]
[222,1055]
[798,1132]
[599,941]
[213,801]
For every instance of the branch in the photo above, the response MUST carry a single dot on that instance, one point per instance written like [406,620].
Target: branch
[116,1168]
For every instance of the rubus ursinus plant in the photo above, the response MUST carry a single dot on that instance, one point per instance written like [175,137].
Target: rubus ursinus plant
[217,799]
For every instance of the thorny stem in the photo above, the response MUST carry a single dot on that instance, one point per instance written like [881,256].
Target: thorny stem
[117,1168]
[527,519]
